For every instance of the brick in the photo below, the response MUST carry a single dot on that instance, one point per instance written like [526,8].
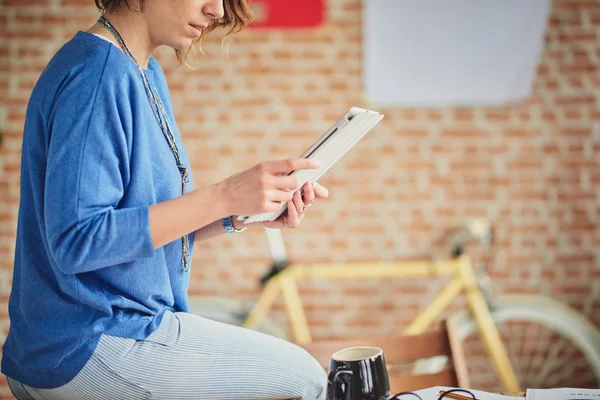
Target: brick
[24,3]
[24,19]
[579,35]
[549,116]
[521,132]
[39,36]
[565,19]
[466,132]
[577,69]
[464,115]
[576,100]
[572,131]
[410,115]
[405,132]
[577,164]
[573,114]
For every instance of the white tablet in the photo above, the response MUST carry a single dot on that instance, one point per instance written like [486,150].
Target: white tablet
[330,147]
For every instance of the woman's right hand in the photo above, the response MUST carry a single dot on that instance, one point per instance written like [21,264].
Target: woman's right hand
[263,187]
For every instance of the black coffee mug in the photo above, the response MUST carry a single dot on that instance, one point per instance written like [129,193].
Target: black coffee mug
[358,373]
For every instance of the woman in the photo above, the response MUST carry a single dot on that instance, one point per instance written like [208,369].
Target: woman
[107,222]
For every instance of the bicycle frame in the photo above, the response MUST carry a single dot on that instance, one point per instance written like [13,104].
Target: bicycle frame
[464,281]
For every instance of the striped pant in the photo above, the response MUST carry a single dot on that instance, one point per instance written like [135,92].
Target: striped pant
[190,357]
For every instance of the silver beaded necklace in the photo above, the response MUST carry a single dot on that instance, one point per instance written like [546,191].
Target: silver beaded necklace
[161,116]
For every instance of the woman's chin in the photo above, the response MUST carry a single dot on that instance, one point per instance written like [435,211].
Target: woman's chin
[181,44]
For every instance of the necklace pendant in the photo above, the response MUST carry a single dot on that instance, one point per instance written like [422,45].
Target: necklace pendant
[183,170]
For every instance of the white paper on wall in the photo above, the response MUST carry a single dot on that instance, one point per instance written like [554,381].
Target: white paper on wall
[451,52]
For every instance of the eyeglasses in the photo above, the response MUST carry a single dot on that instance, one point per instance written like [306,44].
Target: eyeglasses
[455,394]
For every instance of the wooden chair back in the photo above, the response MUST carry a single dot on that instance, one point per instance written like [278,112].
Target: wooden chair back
[401,353]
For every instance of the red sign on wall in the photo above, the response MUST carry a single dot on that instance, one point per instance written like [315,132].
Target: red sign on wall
[287,13]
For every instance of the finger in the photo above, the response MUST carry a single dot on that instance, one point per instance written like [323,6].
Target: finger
[276,224]
[292,215]
[279,196]
[273,206]
[320,191]
[286,182]
[309,193]
[291,164]
[298,203]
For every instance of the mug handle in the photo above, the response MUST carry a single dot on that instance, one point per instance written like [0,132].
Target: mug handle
[335,378]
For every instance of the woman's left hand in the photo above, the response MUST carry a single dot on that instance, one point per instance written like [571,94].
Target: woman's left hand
[298,206]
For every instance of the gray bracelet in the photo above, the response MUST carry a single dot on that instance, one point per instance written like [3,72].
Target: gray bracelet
[228,226]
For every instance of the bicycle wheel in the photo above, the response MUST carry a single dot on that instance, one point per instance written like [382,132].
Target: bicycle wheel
[549,344]
[231,312]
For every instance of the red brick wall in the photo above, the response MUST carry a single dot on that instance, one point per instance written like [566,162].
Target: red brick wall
[533,169]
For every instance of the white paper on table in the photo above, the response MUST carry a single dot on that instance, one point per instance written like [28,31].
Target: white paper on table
[563,394]
[433,393]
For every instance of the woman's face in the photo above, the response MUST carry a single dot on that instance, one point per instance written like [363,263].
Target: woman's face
[176,23]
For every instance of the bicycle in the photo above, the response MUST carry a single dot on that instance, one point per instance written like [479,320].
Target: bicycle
[573,341]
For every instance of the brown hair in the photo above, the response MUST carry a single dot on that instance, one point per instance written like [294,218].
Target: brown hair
[237,15]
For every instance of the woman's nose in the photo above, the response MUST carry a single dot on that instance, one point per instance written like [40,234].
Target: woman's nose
[214,9]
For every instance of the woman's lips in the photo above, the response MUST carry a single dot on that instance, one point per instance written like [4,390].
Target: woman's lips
[197,29]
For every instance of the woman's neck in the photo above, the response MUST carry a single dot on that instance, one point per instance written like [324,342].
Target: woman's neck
[133,29]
